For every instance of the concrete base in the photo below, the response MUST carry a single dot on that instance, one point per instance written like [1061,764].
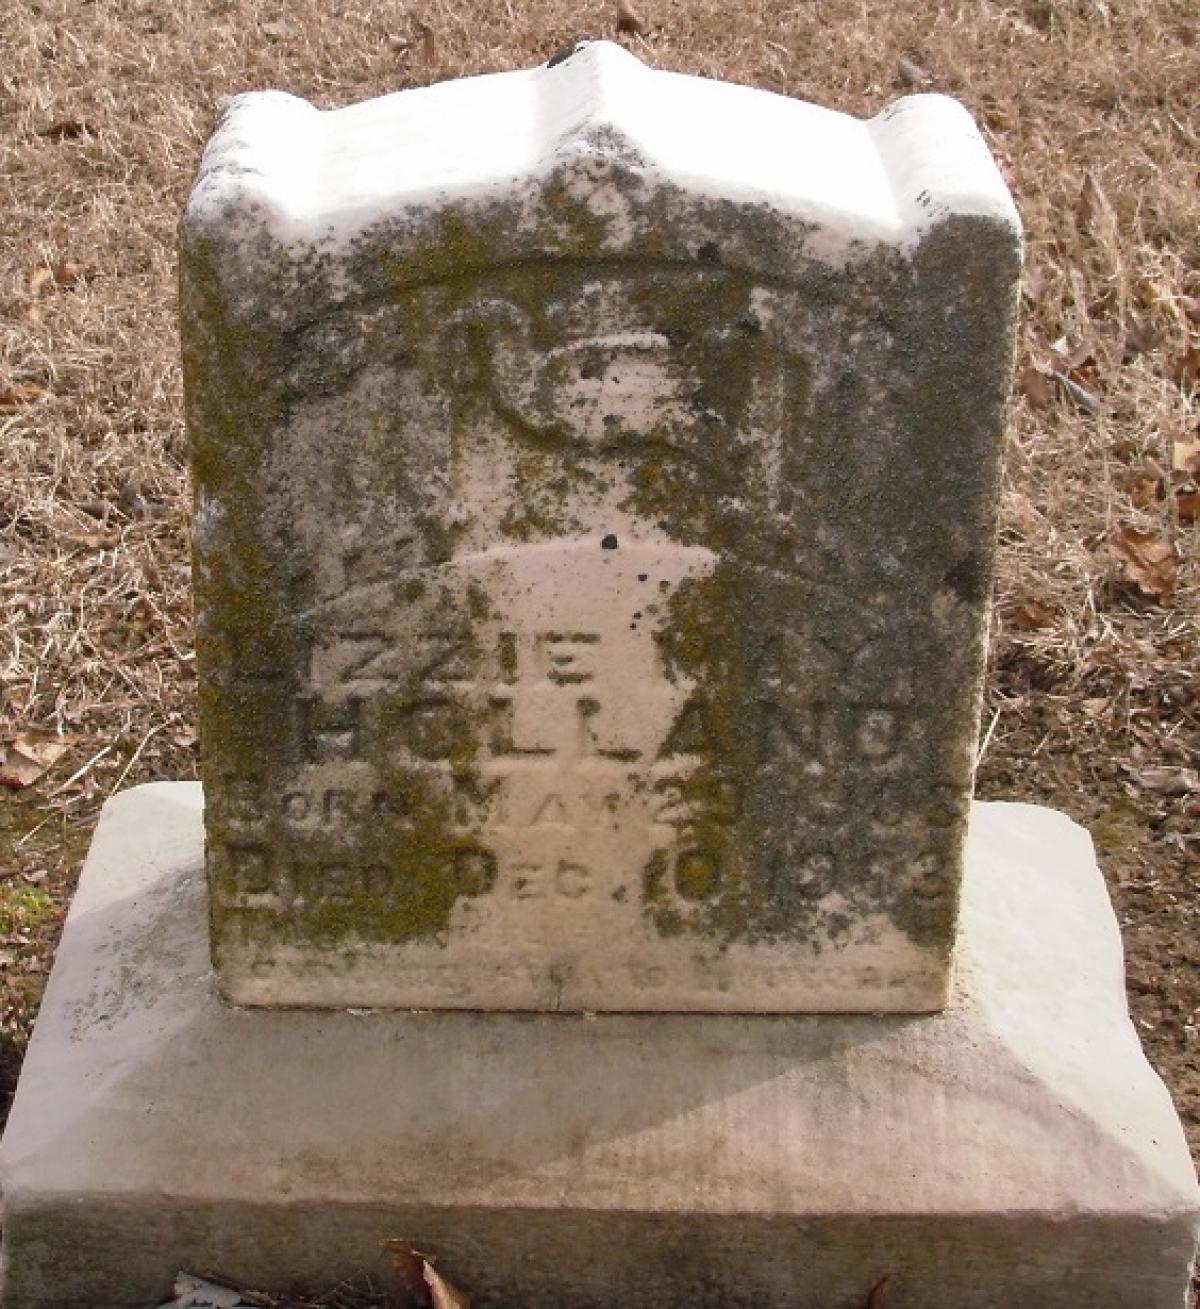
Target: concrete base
[1014,1150]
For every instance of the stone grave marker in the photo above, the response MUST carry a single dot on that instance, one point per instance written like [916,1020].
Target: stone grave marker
[593,538]
[595,476]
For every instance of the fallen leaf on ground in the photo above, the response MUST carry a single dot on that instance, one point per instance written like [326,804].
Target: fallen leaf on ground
[1148,560]
[15,394]
[69,271]
[195,1293]
[1084,354]
[409,1263]
[39,280]
[25,758]
[422,1278]
[1031,615]
[1166,780]
[911,74]
[1094,208]
[1034,282]
[65,273]
[442,1293]
[428,41]
[1037,387]
[1187,367]
[562,55]
[1187,503]
[629,21]
[876,1293]
[65,129]
[1141,338]
[1087,400]
[1147,484]
[1185,456]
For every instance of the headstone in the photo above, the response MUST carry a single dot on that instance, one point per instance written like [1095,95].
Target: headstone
[596,480]
[595,472]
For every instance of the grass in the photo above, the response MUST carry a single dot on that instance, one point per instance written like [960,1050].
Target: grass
[1091,107]
[24,909]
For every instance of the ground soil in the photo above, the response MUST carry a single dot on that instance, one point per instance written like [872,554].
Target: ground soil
[1091,107]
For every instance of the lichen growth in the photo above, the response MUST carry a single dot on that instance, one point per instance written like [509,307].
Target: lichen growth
[834,450]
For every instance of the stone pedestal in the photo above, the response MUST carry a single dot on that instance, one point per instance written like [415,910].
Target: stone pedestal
[1015,1149]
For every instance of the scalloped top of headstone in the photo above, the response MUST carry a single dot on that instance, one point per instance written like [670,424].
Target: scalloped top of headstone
[596,474]
[828,186]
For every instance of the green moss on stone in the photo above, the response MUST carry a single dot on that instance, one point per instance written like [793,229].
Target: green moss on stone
[781,589]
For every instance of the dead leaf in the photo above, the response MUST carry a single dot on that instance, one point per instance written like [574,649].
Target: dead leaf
[65,129]
[96,540]
[628,21]
[1166,780]
[1187,367]
[911,74]
[1147,560]
[1094,208]
[24,759]
[1084,354]
[1187,503]
[1147,484]
[409,1263]
[561,56]
[421,1278]
[1034,283]
[1152,292]
[1087,400]
[69,271]
[1185,456]
[1037,387]
[442,1293]
[876,1293]
[198,1293]
[1145,491]
[1031,616]
[15,394]
[428,41]
[65,273]
[131,502]
[1141,338]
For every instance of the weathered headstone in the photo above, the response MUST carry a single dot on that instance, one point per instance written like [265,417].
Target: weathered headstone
[595,472]
[594,524]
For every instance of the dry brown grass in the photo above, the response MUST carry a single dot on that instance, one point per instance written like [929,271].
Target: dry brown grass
[1093,706]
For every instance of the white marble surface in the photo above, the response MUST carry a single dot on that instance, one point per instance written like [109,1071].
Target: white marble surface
[326,177]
